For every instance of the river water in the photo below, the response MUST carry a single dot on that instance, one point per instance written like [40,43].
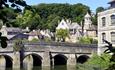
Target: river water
[62,67]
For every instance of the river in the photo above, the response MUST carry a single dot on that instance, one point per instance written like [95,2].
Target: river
[62,67]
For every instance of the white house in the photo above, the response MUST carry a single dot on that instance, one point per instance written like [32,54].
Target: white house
[106,27]
[87,21]
[10,32]
[89,29]
[74,29]
[63,25]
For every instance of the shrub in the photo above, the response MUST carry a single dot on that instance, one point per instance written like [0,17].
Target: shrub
[87,40]
[102,61]
[35,40]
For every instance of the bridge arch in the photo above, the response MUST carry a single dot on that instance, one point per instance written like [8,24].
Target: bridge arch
[36,59]
[7,61]
[60,59]
[82,59]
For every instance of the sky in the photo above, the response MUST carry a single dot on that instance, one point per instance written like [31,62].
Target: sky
[93,4]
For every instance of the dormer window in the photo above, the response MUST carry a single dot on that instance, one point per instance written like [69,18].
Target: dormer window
[62,23]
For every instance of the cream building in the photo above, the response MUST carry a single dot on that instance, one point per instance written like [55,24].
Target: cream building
[106,27]
[73,27]
[90,30]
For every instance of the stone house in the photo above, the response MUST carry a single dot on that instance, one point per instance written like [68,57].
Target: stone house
[106,26]
[10,32]
[76,30]
[89,29]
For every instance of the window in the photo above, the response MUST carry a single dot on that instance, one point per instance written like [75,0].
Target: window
[103,21]
[112,19]
[103,37]
[62,23]
[113,37]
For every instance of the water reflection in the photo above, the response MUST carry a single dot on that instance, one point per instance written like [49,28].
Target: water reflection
[37,68]
[60,67]
[8,69]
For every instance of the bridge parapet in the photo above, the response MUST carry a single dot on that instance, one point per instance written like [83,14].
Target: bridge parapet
[54,47]
[5,50]
[61,48]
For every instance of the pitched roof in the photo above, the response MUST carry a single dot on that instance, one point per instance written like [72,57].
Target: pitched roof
[62,25]
[20,35]
[74,26]
[87,15]
[11,29]
[93,27]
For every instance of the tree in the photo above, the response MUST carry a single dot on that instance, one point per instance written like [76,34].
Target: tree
[99,9]
[30,19]
[53,22]
[8,16]
[78,12]
[14,3]
[94,20]
[61,34]
[51,13]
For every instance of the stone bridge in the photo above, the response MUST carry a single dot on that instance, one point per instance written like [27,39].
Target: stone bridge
[46,54]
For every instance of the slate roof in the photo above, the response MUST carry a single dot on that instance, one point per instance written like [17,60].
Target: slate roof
[92,28]
[12,29]
[74,26]
[21,36]
[111,1]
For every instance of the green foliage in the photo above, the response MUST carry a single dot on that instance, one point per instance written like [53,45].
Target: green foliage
[111,67]
[35,40]
[99,9]
[47,39]
[102,61]
[30,19]
[87,67]
[18,45]
[8,8]
[52,13]
[62,34]
[87,40]
[94,20]
[7,15]
[14,4]
[43,16]
[53,22]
